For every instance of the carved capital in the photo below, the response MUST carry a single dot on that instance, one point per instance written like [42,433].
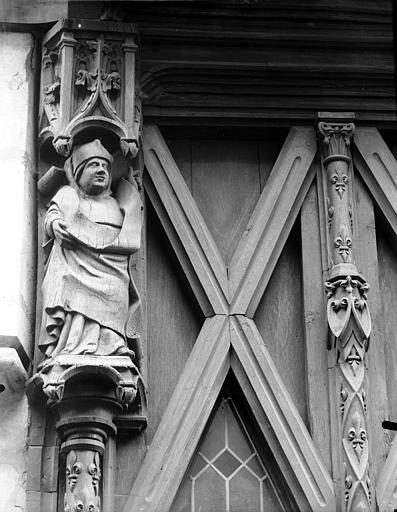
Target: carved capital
[336,139]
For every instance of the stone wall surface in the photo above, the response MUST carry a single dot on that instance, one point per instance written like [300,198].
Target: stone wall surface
[16,265]
[32,11]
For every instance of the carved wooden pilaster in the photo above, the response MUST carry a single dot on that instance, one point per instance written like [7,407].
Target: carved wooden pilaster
[348,317]
[89,83]
[90,377]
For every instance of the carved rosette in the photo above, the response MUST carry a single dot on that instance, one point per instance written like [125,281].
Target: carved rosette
[89,82]
[348,316]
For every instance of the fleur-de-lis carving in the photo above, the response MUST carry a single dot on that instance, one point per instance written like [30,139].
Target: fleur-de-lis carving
[83,482]
[73,470]
[339,179]
[357,435]
[343,243]
[95,472]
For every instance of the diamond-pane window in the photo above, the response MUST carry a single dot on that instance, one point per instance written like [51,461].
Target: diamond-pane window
[227,473]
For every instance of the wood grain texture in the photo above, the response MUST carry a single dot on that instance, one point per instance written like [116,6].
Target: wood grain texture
[183,421]
[130,452]
[109,474]
[387,286]
[378,409]
[225,172]
[186,218]
[173,324]
[266,233]
[315,327]
[177,246]
[226,187]
[378,168]
[279,320]
[386,479]
[386,483]
[282,414]
[284,66]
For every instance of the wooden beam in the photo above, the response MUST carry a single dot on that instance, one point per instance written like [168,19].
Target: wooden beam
[315,326]
[180,252]
[184,420]
[282,415]
[186,219]
[378,168]
[386,482]
[271,222]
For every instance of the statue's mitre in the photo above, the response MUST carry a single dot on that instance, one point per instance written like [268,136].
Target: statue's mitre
[93,149]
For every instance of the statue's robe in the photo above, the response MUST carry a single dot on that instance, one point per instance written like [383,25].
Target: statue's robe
[89,297]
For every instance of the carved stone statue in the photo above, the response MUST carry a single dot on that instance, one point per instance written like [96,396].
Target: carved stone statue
[89,297]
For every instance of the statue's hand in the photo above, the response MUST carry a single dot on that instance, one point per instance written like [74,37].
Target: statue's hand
[61,233]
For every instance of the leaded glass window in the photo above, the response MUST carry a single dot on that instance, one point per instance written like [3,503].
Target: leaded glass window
[227,473]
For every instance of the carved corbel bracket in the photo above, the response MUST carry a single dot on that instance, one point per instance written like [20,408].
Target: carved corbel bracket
[89,396]
[119,372]
[89,78]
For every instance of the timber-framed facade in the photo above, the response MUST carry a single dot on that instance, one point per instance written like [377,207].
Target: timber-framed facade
[247,233]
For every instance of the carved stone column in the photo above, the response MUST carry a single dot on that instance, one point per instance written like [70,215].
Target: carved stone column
[348,316]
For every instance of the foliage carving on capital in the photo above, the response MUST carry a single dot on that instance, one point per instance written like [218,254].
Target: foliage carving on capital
[336,137]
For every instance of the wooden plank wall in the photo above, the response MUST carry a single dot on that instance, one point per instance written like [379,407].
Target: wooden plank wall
[279,319]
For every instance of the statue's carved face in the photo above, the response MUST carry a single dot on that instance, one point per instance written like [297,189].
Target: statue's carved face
[95,177]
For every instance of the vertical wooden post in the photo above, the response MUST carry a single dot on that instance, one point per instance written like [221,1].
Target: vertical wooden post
[348,317]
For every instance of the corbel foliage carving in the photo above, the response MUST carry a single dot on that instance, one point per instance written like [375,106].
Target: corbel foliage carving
[348,316]
[89,80]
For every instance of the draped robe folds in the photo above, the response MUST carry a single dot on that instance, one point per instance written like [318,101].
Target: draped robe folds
[89,297]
